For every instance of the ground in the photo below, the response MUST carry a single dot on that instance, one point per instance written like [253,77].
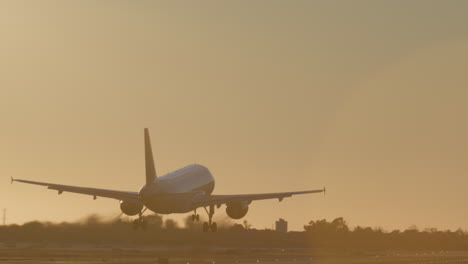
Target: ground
[42,253]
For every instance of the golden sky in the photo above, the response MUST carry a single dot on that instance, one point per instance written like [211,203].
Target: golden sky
[367,98]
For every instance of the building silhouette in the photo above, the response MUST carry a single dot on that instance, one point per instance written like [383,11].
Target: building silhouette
[281,226]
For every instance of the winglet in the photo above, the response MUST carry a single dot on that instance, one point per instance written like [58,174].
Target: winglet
[324,191]
[149,161]
[12,180]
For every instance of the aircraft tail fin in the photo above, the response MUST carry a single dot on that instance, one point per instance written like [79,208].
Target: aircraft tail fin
[149,161]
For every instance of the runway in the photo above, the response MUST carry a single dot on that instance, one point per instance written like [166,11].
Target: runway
[42,253]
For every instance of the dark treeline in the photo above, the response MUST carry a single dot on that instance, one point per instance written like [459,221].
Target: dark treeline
[335,234]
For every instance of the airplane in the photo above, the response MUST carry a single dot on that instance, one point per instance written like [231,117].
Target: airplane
[181,191]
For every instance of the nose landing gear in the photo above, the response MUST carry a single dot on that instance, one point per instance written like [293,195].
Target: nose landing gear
[195,216]
[210,225]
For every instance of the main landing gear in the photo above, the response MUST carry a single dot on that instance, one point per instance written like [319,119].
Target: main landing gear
[195,216]
[210,226]
[140,222]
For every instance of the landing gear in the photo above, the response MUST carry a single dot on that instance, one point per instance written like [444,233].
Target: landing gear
[210,226]
[140,222]
[195,216]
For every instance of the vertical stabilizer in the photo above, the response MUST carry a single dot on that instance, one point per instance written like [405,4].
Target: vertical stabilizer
[149,161]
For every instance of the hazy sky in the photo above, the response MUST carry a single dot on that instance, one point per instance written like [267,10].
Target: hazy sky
[367,98]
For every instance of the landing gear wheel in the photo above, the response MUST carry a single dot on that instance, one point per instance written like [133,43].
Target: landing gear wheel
[140,221]
[195,216]
[213,227]
[210,225]
[206,227]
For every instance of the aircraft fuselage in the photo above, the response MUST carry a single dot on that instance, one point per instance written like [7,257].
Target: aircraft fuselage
[172,192]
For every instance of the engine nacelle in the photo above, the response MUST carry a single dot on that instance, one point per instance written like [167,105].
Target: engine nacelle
[237,210]
[131,208]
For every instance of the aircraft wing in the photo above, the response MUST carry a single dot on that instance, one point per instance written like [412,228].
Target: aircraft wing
[218,200]
[119,195]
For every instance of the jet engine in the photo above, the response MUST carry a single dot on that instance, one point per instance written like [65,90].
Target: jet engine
[237,210]
[131,208]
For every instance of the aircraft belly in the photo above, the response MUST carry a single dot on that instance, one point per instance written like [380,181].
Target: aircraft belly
[169,204]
